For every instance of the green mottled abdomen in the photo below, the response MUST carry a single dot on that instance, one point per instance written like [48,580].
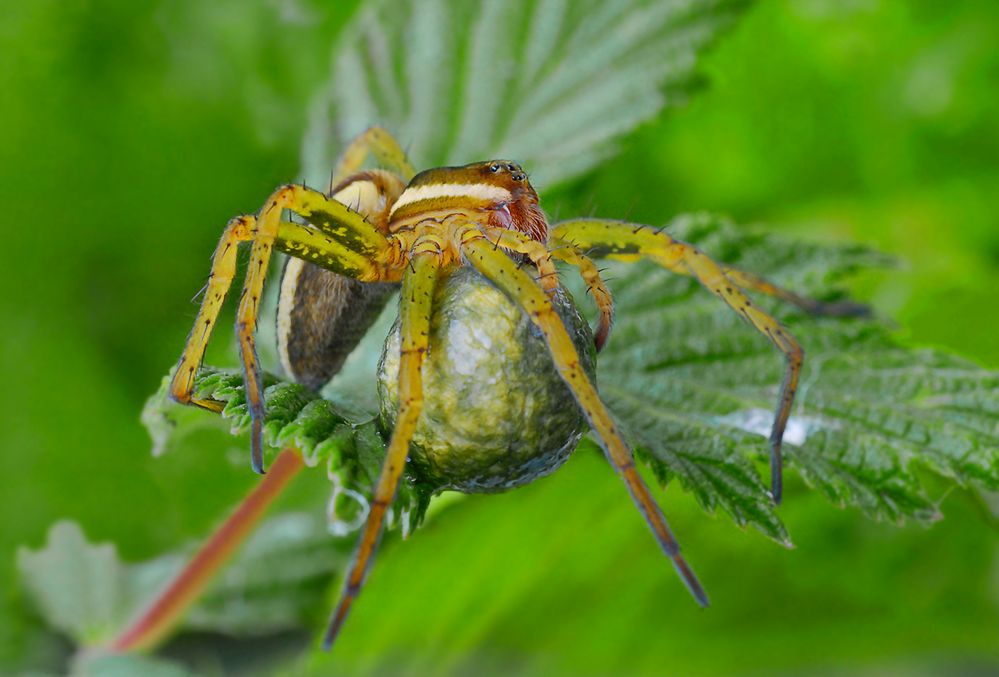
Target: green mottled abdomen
[496,414]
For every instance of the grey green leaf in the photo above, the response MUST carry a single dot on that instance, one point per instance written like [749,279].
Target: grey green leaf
[462,81]
[696,387]
[273,583]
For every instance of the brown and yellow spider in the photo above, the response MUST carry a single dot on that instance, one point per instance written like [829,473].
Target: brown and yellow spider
[393,225]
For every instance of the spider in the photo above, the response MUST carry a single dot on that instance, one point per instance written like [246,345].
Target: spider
[377,228]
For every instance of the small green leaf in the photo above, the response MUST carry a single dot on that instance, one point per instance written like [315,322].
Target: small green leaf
[79,588]
[552,84]
[272,584]
[320,429]
[127,665]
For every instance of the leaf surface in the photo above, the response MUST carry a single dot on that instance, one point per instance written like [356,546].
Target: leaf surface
[550,83]
[272,584]
[696,387]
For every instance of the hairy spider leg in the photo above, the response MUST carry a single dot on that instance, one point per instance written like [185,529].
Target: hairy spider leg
[339,238]
[296,239]
[380,143]
[536,252]
[322,316]
[754,282]
[239,229]
[518,285]
[415,306]
[332,218]
[629,242]
[541,256]
[597,287]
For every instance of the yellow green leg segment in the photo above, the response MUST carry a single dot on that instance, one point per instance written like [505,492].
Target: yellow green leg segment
[752,282]
[629,241]
[239,229]
[518,285]
[338,238]
[598,289]
[536,252]
[415,305]
[378,142]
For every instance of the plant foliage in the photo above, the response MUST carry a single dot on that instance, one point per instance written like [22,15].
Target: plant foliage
[552,83]
[555,84]
[85,590]
[696,387]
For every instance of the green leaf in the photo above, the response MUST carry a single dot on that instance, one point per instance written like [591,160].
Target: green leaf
[79,588]
[127,665]
[695,386]
[273,583]
[552,84]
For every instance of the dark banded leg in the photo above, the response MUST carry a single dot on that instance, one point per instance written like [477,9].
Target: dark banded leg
[518,285]
[239,229]
[415,306]
[628,241]
[337,225]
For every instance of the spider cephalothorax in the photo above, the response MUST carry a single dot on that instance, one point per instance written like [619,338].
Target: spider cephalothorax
[498,187]
[382,227]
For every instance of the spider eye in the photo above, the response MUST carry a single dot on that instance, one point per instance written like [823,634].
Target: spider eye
[511,168]
[494,168]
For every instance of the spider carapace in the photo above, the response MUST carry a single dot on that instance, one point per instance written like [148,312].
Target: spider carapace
[352,247]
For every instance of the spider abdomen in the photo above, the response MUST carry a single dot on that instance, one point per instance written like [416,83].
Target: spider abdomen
[496,414]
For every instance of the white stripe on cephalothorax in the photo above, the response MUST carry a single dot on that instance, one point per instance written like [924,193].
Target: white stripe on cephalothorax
[286,304]
[478,191]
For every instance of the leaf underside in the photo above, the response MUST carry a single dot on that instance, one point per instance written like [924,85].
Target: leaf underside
[86,591]
[550,83]
[696,387]
[347,443]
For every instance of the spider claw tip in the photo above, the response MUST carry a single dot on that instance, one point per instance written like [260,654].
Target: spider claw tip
[257,449]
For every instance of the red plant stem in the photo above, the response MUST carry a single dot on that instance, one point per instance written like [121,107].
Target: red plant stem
[170,605]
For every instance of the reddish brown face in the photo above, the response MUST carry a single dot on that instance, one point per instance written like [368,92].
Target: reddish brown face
[498,188]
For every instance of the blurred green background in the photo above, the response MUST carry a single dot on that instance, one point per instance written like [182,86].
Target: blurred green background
[130,132]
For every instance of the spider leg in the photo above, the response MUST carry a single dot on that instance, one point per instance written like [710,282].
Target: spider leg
[382,145]
[541,257]
[598,289]
[535,251]
[415,303]
[337,238]
[746,280]
[628,241]
[506,275]
[295,239]
[756,283]
[330,217]
[239,229]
